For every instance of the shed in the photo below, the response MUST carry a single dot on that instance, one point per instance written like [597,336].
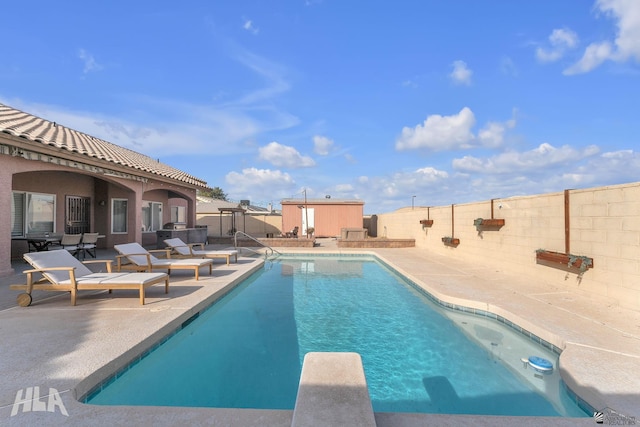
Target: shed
[326,216]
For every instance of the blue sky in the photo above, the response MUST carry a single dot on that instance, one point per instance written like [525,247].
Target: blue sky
[449,101]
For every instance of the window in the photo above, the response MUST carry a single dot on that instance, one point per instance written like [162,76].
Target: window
[119,215]
[151,216]
[178,214]
[32,213]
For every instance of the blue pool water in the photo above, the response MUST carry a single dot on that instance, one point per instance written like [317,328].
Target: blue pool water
[246,351]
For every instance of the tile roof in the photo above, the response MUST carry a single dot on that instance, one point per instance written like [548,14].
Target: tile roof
[37,130]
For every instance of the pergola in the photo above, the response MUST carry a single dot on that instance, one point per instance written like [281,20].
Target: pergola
[233,212]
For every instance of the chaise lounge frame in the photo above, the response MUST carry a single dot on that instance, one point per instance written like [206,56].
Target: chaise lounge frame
[134,257]
[53,265]
[184,250]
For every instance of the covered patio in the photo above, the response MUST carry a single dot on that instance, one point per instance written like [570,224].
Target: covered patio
[58,180]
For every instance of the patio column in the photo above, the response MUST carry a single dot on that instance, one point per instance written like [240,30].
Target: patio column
[6,185]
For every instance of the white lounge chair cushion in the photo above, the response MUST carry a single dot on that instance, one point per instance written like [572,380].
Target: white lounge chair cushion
[62,258]
[120,278]
[133,253]
[183,249]
[216,252]
[57,258]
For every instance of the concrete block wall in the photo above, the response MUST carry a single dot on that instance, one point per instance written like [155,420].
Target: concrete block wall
[258,225]
[604,224]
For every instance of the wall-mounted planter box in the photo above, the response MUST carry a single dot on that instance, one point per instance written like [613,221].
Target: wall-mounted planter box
[451,241]
[490,223]
[581,263]
[426,222]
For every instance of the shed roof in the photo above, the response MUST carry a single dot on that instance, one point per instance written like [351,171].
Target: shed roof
[323,201]
[53,135]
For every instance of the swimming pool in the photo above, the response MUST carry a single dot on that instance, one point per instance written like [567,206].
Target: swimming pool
[246,350]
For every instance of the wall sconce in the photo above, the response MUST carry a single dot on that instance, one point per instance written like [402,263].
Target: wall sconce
[102,203]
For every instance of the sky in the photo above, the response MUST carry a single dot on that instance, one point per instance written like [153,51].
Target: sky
[396,103]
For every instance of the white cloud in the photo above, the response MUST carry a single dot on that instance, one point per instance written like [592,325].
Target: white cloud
[439,132]
[540,158]
[492,135]
[508,67]
[563,37]
[618,155]
[560,40]
[322,145]
[249,26]
[383,193]
[626,14]
[284,156]
[461,74]
[594,55]
[615,167]
[350,158]
[454,132]
[540,170]
[429,175]
[343,188]
[272,73]
[90,63]
[254,183]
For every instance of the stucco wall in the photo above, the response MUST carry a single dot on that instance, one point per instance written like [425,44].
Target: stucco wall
[254,225]
[604,224]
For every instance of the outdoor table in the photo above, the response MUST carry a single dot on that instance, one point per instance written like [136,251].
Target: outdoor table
[41,243]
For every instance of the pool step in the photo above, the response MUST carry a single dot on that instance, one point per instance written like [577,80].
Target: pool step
[333,392]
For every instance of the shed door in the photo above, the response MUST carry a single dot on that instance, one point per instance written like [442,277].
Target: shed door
[307,213]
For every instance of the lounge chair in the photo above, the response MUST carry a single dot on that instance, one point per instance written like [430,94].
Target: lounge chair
[134,257]
[61,271]
[184,250]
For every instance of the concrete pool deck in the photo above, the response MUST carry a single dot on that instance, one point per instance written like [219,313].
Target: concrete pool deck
[65,350]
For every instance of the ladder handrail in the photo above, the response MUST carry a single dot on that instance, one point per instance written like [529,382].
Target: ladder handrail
[242,233]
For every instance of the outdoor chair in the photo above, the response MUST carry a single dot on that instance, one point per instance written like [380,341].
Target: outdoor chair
[293,233]
[134,257]
[184,250]
[88,244]
[71,243]
[62,272]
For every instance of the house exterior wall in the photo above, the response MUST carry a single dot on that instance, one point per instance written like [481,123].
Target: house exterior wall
[604,224]
[329,218]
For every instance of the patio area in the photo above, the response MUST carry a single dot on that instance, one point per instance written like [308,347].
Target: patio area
[65,351]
